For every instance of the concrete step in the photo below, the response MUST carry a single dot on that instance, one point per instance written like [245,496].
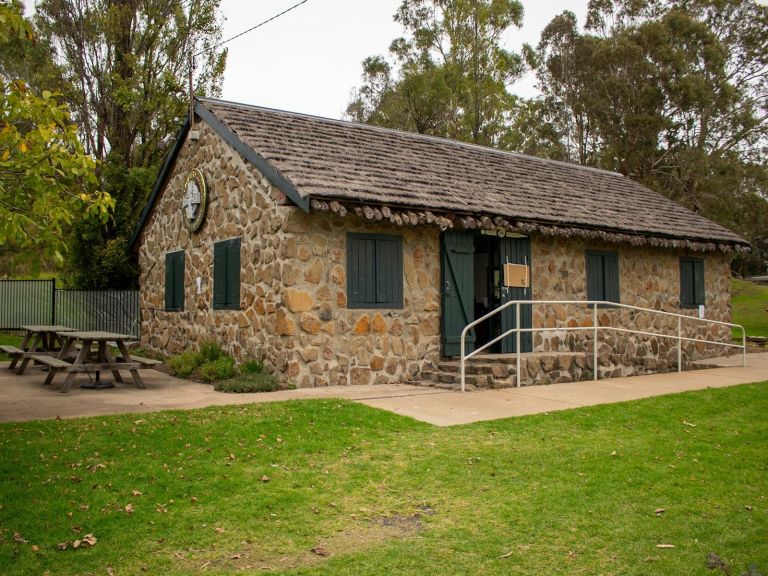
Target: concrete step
[439,377]
[498,370]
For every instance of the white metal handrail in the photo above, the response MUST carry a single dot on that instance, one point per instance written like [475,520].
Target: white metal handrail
[595,328]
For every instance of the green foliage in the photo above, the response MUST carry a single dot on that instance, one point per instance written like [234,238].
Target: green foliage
[211,364]
[452,71]
[251,367]
[220,369]
[586,491]
[46,178]
[134,57]
[184,365]
[249,383]
[669,93]
[210,351]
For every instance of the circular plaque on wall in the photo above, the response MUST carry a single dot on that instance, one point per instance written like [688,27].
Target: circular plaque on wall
[195,201]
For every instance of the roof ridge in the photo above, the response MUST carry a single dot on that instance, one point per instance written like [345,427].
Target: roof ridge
[414,135]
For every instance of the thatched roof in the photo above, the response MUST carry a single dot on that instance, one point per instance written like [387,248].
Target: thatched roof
[324,160]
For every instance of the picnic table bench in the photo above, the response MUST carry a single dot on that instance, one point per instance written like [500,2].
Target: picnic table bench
[38,339]
[102,359]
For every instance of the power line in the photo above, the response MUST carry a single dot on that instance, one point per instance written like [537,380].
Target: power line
[259,25]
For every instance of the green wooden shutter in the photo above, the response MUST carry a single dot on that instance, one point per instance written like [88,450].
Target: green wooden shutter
[178,281]
[603,276]
[169,282]
[611,279]
[698,281]
[594,276]
[687,285]
[458,290]
[174,281]
[691,282]
[233,274]
[374,271]
[389,271]
[515,251]
[219,275]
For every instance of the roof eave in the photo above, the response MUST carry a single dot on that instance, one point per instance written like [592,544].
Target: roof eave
[258,161]
[162,178]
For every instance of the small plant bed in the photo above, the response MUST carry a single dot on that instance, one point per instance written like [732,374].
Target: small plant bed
[212,365]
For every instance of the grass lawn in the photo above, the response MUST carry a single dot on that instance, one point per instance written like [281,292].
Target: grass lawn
[750,307]
[256,488]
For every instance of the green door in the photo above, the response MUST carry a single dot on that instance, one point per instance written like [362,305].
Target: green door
[458,288]
[516,251]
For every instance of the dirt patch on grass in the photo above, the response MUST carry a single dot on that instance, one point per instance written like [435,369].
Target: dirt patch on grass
[359,536]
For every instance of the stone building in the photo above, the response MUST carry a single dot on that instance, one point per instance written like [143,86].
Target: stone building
[340,253]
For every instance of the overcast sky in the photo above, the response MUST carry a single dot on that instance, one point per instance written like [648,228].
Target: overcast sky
[310,59]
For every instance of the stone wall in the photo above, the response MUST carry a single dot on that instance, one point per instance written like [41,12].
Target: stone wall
[294,314]
[649,278]
[293,310]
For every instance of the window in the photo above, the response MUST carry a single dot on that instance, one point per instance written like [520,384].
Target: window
[691,282]
[226,275]
[174,281]
[603,276]
[374,271]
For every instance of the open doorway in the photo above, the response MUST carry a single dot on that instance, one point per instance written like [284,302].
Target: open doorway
[487,276]
[472,286]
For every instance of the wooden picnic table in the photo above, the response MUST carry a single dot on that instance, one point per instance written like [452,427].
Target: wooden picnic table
[38,339]
[100,359]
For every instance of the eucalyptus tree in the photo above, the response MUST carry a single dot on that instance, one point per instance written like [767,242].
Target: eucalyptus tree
[448,75]
[125,67]
[671,93]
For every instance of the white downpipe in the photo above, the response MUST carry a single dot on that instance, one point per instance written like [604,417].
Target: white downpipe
[595,329]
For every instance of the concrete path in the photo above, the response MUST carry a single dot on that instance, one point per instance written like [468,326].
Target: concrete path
[26,398]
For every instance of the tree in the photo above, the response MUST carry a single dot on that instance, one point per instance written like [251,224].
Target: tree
[672,94]
[452,73]
[125,66]
[46,179]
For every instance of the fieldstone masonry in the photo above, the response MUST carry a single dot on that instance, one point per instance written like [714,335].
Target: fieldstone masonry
[293,303]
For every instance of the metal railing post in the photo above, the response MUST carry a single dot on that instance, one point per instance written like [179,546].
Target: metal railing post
[594,345]
[679,344]
[744,346]
[462,361]
[517,343]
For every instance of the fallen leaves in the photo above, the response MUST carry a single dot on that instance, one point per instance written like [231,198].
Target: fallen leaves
[659,511]
[85,542]
[320,550]
[18,538]
[136,493]
[129,508]
[265,478]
